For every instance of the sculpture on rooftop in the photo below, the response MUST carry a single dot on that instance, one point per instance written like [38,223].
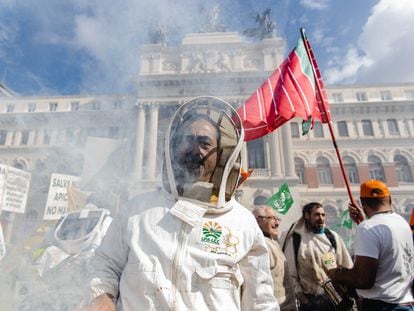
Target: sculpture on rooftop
[214,23]
[266,27]
[158,35]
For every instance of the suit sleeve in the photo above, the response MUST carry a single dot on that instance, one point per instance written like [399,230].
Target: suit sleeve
[257,288]
[110,259]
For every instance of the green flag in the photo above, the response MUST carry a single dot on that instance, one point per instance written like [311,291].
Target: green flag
[282,200]
[345,220]
[306,125]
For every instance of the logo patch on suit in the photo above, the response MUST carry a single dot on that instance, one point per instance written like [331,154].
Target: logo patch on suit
[211,233]
[218,239]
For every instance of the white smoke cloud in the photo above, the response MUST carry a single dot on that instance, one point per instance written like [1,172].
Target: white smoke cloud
[315,4]
[384,49]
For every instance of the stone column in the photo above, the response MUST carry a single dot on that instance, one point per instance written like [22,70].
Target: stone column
[245,163]
[9,138]
[17,138]
[286,148]
[32,135]
[402,128]
[152,145]
[140,136]
[274,154]
[39,137]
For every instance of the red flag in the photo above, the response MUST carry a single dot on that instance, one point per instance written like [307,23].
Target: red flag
[289,92]
[321,110]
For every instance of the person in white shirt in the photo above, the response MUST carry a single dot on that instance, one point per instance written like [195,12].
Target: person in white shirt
[383,269]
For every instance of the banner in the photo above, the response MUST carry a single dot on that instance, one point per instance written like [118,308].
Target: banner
[282,200]
[14,189]
[57,199]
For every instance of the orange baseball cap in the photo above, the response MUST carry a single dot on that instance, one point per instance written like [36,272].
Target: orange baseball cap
[374,189]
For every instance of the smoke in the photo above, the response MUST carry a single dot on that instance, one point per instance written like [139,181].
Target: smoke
[94,45]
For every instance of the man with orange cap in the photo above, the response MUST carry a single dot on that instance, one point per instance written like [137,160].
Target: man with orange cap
[383,269]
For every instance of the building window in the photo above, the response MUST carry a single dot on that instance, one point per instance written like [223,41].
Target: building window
[318,129]
[385,95]
[3,137]
[361,96]
[409,94]
[70,136]
[46,137]
[300,170]
[406,213]
[393,127]
[10,108]
[96,106]
[114,132]
[323,170]
[337,98]
[25,137]
[402,169]
[53,106]
[294,128]
[351,170]
[375,168]
[117,105]
[367,128]
[31,107]
[342,128]
[331,215]
[255,153]
[92,131]
[74,106]
[260,200]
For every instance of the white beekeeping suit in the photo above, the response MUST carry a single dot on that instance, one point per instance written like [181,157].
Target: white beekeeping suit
[191,245]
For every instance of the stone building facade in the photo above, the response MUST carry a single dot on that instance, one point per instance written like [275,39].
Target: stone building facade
[373,124]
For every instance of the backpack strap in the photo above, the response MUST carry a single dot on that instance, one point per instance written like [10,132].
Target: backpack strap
[296,243]
[331,238]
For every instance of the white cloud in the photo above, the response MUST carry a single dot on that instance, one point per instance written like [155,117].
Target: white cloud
[347,73]
[385,47]
[315,4]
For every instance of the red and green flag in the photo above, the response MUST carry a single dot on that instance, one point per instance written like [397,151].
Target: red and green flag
[291,91]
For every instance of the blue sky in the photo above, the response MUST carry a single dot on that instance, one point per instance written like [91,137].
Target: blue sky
[51,47]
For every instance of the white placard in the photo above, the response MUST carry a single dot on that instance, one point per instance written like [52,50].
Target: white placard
[14,187]
[57,199]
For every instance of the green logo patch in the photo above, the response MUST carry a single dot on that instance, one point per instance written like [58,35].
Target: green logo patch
[211,233]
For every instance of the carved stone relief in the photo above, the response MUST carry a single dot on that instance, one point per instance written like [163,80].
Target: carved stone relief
[168,65]
[209,61]
[251,62]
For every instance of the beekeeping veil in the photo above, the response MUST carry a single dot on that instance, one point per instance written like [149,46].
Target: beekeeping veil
[81,230]
[222,184]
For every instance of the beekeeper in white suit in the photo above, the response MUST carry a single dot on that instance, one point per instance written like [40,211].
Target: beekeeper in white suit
[189,246]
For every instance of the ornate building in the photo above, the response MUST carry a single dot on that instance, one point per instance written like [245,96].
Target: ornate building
[374,126]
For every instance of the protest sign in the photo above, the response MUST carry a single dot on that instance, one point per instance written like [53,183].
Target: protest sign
[57,199]
[14,188]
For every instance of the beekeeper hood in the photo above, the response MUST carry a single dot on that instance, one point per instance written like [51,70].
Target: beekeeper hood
[203,152]
[82,230]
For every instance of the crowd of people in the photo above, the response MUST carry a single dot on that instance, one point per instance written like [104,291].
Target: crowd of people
[191,246]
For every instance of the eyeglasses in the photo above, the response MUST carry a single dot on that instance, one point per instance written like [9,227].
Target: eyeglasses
[270,218]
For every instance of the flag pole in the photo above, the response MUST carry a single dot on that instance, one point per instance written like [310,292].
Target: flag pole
[322,99]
